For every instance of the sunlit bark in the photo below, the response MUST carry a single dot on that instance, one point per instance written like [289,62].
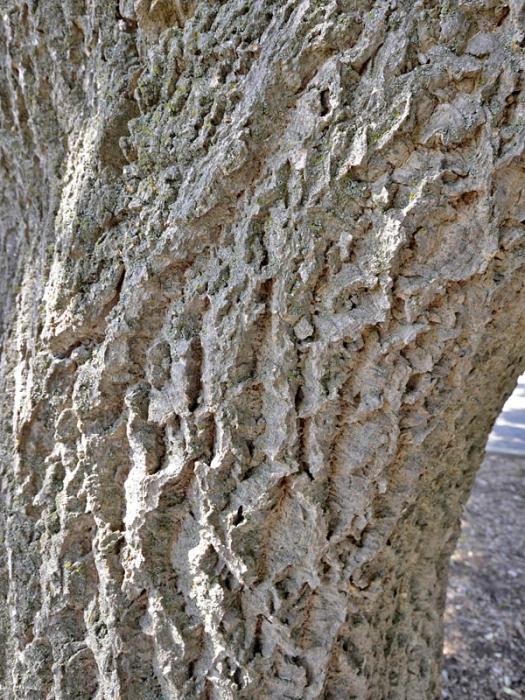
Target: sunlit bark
[262,281]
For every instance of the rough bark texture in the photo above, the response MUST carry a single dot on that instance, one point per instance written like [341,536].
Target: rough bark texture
[262,278]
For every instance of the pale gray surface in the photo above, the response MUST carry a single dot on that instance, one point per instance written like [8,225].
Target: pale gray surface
[265,274]
[508,434]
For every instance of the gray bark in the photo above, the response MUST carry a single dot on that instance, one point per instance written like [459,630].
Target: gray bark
[263,297]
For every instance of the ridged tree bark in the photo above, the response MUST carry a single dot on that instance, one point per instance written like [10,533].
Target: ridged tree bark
[262,281]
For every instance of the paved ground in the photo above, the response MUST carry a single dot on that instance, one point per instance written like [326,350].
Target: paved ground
[508,435]
[485,617]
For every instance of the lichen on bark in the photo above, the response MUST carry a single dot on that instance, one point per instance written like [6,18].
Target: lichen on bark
[262,271]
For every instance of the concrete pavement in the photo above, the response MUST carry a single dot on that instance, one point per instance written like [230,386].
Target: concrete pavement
[508,434]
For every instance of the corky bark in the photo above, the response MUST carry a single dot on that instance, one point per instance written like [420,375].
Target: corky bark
[262,279]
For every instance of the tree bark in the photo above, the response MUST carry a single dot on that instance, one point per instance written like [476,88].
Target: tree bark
[263,296]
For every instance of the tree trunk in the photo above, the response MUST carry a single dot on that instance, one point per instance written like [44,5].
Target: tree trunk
[263,296]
